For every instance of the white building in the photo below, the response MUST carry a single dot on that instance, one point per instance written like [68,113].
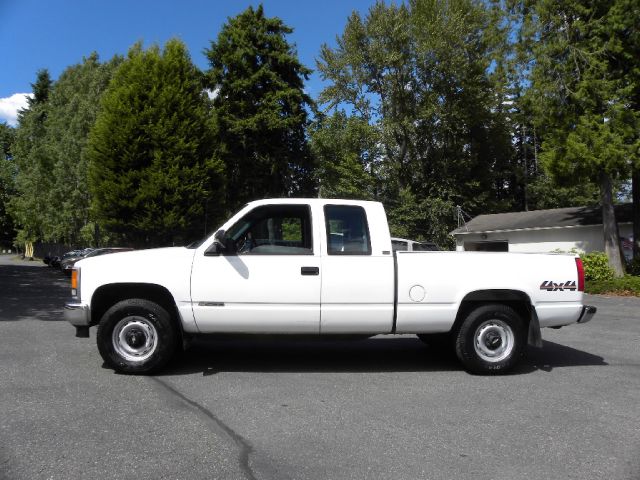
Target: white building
[543,231]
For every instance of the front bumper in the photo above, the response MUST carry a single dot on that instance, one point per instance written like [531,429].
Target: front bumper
[587,313]
[77,314]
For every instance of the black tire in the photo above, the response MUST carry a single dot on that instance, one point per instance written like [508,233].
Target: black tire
[490,340]
[136,336]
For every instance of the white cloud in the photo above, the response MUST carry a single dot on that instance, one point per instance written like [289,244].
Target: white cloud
[9,107]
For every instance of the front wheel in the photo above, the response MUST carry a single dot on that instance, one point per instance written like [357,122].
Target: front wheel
[491,339]
[136,336]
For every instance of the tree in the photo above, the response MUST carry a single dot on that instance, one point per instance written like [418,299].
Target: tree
[260,109]
[583,103]
[52,201]
[419,74]
[153,172]
[546,192]
[33,163]
[623,21]
[371,73]
[346,156]
[7,184]
[465,141]
[73,107]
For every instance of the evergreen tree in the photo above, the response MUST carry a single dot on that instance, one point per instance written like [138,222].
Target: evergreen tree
[33,164]
[73,107]
[623,22]
[546,192]
[260,109]
[7,184]
[51,201]
[153,173]
[513,61]
[583,103]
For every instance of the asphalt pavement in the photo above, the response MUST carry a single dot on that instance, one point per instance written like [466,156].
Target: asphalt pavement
[382,408]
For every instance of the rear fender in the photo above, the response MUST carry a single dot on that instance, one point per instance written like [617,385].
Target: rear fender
[516,299]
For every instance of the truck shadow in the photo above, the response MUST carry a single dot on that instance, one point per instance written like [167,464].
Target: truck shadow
[555,355]
[32,292]
[406,354]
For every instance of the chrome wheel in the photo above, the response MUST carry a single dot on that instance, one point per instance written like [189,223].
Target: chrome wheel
[494,340]
[134,338]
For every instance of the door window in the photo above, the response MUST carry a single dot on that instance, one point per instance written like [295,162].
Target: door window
[347,230]
[274,230]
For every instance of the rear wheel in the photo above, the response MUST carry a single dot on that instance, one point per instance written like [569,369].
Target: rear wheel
[491,339]
[136,336]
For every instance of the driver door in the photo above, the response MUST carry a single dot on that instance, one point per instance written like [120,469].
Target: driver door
[266,281]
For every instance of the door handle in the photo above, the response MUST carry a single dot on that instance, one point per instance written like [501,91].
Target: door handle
[310,270]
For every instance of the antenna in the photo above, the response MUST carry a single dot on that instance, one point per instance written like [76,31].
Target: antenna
[462,217]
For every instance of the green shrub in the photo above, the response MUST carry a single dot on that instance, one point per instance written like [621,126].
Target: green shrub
[633,267]
[627,285]
[596,266]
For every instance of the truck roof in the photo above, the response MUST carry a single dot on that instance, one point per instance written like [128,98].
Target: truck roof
[313,201]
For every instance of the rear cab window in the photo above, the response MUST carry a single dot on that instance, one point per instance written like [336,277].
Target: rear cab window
[347,230]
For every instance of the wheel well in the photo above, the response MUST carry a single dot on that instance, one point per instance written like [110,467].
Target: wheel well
[108,295]
[515,299]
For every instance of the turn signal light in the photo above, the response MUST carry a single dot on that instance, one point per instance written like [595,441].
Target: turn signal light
[74,282]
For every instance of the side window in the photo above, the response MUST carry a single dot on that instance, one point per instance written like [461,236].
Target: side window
[274,230]
[347,230]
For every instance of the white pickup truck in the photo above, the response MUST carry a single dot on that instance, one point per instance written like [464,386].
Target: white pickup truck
[321,267]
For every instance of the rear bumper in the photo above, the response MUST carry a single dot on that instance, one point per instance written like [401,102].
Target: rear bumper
[587,313]
[77,314]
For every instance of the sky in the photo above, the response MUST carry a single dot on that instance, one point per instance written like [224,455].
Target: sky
[37,34]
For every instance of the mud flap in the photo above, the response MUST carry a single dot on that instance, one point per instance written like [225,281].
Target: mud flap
[82,331]
[535,337]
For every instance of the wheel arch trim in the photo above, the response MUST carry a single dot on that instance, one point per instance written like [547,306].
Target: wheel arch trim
[107,295]
[517,299]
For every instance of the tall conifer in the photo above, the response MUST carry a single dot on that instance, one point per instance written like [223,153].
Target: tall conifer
[260,108]
[590,132]
[33,163]
[153,173]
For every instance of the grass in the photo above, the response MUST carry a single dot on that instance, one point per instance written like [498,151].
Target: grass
[628,286]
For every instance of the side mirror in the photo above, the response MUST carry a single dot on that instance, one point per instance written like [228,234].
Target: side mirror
[219,236]
[221,245]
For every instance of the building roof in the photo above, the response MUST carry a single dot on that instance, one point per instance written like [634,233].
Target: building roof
[542,219]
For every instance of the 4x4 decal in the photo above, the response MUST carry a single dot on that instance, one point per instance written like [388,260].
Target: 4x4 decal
[558,287]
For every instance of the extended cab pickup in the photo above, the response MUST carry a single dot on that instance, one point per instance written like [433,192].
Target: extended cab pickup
[321,267]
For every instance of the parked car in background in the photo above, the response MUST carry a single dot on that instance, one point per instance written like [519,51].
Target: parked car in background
[404,245]
[73,256]
[67,265]
[56,261]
